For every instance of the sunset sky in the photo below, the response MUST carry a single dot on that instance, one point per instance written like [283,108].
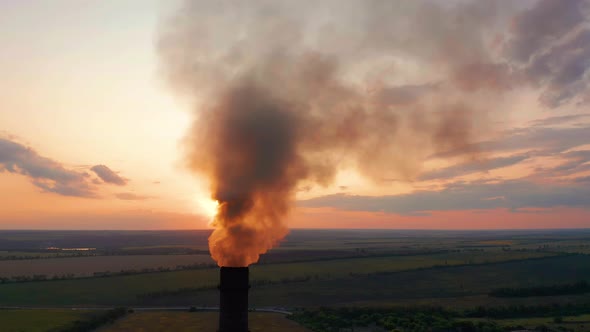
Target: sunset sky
[93,136]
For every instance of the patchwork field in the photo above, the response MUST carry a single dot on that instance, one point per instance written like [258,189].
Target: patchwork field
[87,266]
[128,289]
[198,321]
[577,323]
[38,320]
[311,269]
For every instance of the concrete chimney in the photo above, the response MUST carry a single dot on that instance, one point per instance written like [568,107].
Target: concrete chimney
[233,300]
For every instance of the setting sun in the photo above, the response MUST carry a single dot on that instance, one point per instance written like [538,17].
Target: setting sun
[207,207]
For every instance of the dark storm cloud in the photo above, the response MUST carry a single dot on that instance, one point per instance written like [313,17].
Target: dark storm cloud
[463,196]
[46,174]
[107,175]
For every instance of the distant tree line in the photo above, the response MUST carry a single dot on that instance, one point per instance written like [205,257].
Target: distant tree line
[520,311]
[53,254]
[176,292]
[31,257]
[580,287]
[193,290]
[103,274]
[429,319]
[35,277]
[94,321]
[400,319]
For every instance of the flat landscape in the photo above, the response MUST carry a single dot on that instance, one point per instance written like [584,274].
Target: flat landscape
[90,265]
[198,321]
[311,270]
[39,320]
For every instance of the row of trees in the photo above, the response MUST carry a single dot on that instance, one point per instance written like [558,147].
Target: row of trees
[95,321]
[580,287]
[38,256]
[416,320]
[519,311]
[431,319]
[35,277]
[104,274]
[186,291]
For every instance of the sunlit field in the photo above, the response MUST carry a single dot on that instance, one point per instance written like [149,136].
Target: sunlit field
[374,270]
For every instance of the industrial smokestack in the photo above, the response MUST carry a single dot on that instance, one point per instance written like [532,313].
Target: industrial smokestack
[233,301]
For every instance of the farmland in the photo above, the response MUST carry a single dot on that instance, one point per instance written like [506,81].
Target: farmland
[579,323]
[87,266]
[198,321]
[38,320]
[451,270]
[122,290]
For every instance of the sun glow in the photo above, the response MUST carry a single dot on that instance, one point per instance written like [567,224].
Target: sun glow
[207,207]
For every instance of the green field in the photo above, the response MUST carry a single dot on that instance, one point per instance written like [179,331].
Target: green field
[577,323]
[124,290]
[428,286]
[38,320]
[364,269]
[87,266]
[4,254]
[197,321]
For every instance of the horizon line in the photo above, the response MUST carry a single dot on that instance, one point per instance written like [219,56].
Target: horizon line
[299,228]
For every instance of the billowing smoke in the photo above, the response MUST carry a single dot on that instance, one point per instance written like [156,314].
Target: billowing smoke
[287,93]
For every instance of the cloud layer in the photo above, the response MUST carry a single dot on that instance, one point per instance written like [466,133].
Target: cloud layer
[289,93]
[52,176]
[563,183]
[513,195]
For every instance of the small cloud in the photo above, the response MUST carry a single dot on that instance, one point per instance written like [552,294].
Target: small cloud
[131,197]
[343,187]
[557,120]
[107,175]
[495,198]
[475,166]
[583,179]
[46,174]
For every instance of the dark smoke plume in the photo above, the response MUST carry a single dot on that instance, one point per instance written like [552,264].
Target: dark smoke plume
[287,93]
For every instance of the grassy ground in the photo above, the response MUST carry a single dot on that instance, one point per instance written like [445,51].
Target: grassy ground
[19,254]
[37,320]
[197,321]
[576,323]
[86,266]
[123,290]
[434,286]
